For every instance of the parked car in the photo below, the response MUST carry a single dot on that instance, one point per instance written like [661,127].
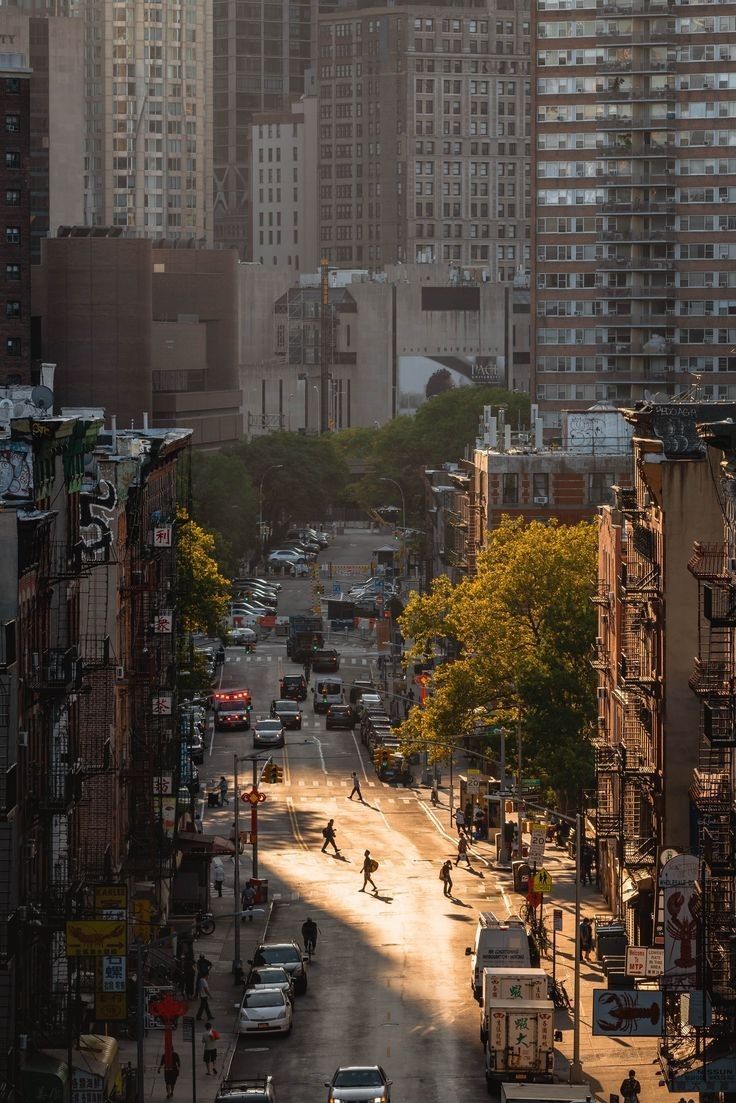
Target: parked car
[288,712]
[294,686]
[269,583]
[283,558]
[258,1090]
[271,976]
[264,1010]
[340,716]
[268,733]
[195,746]
[244,637]
[289,956]
[359,1084]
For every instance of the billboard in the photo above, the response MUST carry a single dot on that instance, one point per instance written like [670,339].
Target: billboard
[680,901]
[629,1013]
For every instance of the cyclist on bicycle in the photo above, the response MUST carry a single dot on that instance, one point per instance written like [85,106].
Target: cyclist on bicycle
[309,934]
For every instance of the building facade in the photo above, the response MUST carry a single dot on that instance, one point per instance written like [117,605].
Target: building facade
[284,187]
[148,77]
[633,211]
[424,136]
[261,55]
[15,239]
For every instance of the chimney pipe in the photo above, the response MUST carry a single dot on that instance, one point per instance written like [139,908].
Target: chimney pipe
[114,431]
[145,419]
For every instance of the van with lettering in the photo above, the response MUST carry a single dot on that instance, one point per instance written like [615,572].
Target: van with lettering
[327,690]
[498,944]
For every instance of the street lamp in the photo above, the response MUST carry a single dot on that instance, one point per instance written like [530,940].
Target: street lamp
[385,479]
[273,467]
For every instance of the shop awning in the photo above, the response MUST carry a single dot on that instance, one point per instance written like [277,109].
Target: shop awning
[192,843]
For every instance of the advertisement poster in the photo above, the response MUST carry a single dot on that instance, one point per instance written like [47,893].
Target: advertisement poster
[630,1013]
[680,899]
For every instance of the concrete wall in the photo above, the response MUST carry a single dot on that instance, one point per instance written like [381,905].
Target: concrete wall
[66,122]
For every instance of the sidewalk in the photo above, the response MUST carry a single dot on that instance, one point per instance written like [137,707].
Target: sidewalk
[606,1061]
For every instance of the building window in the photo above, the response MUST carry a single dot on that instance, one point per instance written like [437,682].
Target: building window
[599,487]
[510,495]
[12,272]
[12,197]
[12,308]
[12,159]
[12,346]
[12,124]
[540,487]
[12,85]
[12,235]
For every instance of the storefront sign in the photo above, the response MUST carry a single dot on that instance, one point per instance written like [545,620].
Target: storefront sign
[677,882]
[629,1013]
[95,937]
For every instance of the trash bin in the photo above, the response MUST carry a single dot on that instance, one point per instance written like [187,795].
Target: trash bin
[260,887]
[213,798]
[520,872]
[610,940]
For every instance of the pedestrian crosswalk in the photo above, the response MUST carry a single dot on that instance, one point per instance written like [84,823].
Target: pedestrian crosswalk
[269,657]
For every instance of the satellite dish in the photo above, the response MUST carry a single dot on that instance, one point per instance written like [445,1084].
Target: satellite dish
[43,397]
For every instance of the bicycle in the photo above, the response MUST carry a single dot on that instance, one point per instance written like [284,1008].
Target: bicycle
[204,924]
[558,994]
[527,912]
[540,935]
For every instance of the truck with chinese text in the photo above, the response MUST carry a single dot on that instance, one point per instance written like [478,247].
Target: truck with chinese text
[520,1042]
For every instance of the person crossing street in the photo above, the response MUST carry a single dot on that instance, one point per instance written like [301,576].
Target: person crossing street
[356,787]
[369,866]
[329,836]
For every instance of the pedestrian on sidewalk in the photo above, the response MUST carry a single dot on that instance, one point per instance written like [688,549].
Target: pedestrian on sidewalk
[586,938]
[222,786]
[203,991]
[586,866]
[369,866]
[356,786]
[329,836]
[188,976]
[478,821]
[247,900]
[630,1088]
[171,1074]
[446,877]
[218,875]
[462,851]
[460,821]
[209,1040]
[203,966]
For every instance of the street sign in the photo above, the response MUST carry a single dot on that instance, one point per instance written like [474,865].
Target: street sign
[472,784]
[187,1028]
[644,961]
[531,783]
[538,840]
[557,919]
[542,881]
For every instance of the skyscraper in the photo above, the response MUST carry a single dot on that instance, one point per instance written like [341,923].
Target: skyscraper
[424,142]
[634,208]
[149,116]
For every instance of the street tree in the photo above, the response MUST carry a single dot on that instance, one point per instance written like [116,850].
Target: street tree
[203,592]
[525,628]
[224,501]
[308,475]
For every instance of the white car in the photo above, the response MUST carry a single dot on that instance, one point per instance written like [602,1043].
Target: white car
[270,976]
[359,1084]
[265,1010]
[244,637]
[286,556]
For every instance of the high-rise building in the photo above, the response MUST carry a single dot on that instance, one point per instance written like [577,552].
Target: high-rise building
[424,140]
[15,244]
[633,205]
[149,116]
[284,186]
[261,53]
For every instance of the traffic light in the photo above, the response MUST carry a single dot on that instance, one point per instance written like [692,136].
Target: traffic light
[277,774]
[267,772]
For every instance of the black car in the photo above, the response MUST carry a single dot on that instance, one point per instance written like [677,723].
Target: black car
[340,716]
[288,712]
[294,687]
[325,661]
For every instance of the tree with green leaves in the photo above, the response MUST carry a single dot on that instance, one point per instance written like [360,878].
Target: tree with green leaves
[203,592]
[525,626]
[225,502]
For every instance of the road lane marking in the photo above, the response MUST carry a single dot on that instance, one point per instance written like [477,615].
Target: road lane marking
[321,755]
[287,765]
[360,756]
[382,813]
[295,824]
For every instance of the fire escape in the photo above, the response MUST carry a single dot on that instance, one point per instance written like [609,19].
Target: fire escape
[627,656]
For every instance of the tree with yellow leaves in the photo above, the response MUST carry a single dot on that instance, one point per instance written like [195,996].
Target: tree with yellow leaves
[203,592]
[525,627]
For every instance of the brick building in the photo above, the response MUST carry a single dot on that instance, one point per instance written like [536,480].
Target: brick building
[15,232]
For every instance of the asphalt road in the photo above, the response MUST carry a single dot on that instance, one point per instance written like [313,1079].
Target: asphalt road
[390,983]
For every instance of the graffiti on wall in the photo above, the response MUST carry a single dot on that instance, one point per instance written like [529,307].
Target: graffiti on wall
[97,513]
[16,472]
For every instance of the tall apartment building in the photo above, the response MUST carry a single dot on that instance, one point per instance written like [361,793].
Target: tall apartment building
[261,54]
[634,212]
[424,135]
[15,248]
[284,186]
[149,116]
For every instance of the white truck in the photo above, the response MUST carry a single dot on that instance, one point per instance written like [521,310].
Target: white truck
[520,1043]
[546,1093]
[510,985]
[498,944]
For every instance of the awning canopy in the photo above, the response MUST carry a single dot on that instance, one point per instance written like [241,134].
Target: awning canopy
[193,843]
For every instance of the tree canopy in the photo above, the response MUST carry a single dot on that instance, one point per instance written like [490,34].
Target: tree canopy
[225,502]
[525,626]
[203,591]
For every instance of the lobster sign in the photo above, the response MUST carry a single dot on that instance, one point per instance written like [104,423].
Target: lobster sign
[627,1012]
[677,881]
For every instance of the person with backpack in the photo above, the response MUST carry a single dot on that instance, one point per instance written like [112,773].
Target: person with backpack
[446,877]
[369,866]
[630,1088]
[328,833]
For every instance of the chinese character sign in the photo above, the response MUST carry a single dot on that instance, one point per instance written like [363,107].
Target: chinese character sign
[113,974]
[162,536]
[161,704]
[163,785]
[163,623]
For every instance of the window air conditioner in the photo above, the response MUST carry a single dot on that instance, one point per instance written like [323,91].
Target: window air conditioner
[541,500]
[119,672]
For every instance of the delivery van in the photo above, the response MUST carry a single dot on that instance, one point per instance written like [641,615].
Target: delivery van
[498,944]
[546,1093]
[520,1044]
[327,690]
[510,984]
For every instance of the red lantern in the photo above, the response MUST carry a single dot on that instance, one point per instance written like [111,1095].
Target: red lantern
[168,1010]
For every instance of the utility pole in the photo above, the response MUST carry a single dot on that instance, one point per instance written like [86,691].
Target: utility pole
[325,347]
[576,1069]
[519,812]
[237,960]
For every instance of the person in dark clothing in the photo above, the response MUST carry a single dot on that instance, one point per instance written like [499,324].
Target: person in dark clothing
[309,935]
[188,976]
[586,939]
[203,966]
[630,1088]
[329,837]
[307,670]
[171,1074]
[446,878]
[586,866]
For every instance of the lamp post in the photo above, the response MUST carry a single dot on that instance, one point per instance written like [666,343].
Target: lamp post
[273,467]
[385,479]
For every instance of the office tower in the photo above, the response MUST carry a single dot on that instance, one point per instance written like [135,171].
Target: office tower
[261,53]
[634,212]
[149,116]
[15,245]
[424,136]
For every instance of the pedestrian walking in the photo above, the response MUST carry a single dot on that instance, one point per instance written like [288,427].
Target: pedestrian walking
[307,670]
[171,1073]
[478,821]
[203,991]
[369,866]
[630,1088]
[462,851]
[247,900]
[209,1040]
[188,976]
[203,966]
[329,836]
[222,786]
[586,866]
[446,877]
[586,938]
[460,821]
[356,786]
[218,874]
